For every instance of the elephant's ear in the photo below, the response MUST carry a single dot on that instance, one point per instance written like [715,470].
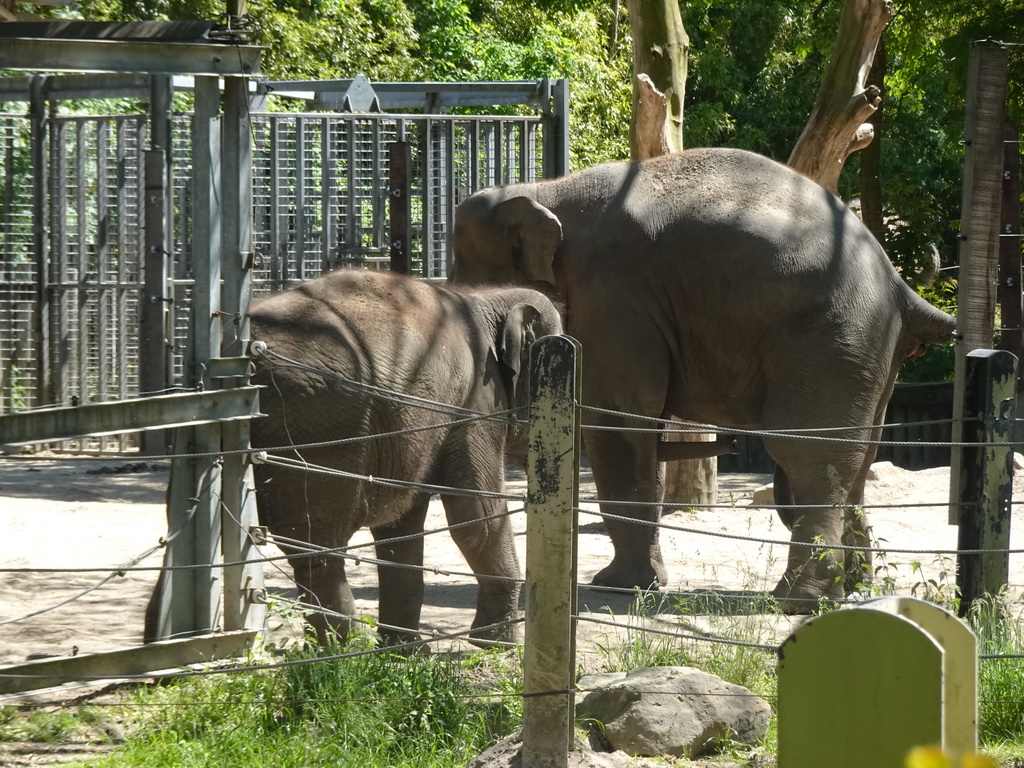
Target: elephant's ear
[536,234]
[518,334]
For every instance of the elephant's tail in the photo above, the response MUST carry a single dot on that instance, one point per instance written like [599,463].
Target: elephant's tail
[925,324]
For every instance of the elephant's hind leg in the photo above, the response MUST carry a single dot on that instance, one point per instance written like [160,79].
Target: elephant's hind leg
[401,589]
[489,548]
[822,490]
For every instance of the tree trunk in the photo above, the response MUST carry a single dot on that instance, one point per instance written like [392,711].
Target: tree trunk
[836,127]
[660,47]
[694,481]
[871,206]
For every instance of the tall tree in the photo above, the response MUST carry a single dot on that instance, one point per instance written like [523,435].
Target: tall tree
[660,47]
[837,126]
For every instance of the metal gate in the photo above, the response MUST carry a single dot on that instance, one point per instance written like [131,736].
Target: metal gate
[71,235]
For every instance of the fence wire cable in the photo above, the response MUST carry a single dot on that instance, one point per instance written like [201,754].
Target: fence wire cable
[182,673]
[389,395]
[435,635]
[681,635]
[129,566]
[793,434]
[290,463]
[811,544]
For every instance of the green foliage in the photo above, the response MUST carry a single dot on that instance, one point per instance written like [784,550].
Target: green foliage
[51,726]
[1000,680]
[373,709]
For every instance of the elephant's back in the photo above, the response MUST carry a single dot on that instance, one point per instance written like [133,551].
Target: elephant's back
[347,345]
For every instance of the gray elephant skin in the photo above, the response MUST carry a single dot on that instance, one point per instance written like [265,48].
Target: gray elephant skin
[717,286]
[327,339]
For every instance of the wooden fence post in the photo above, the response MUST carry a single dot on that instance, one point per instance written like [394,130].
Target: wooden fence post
[979,222]
[986,473]
[551,510]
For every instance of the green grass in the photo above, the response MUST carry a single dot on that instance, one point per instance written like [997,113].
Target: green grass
[1000,681]
[371,710]
[441,710]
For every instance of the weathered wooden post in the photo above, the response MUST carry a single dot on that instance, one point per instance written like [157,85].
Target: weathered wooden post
[986,473]
[864,686]
[979,224]
[551,509]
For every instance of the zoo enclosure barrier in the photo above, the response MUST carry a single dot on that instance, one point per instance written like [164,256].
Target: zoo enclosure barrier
[77,243]
[551,560]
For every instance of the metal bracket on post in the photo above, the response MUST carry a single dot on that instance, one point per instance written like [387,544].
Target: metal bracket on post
[986,473]
[551,510]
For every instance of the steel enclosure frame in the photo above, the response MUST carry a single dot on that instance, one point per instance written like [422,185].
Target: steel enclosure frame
[72,234]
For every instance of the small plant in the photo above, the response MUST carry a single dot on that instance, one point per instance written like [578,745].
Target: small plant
[642,648]
[941,589]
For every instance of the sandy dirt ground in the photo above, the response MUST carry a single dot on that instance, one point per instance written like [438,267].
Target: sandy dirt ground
[73,513]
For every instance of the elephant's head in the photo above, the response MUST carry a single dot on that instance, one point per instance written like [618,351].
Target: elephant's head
[504,240]
[528,319]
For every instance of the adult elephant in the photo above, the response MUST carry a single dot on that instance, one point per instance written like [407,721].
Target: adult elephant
[718,286]
[406,365]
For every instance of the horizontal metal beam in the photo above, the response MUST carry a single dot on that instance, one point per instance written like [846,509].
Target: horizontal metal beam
[166,31]
[60,87]
[158,412]
[213,59]
[164,656]
[420,95]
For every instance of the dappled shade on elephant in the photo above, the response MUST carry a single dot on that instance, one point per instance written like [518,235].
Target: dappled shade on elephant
[717,286]
[358,354]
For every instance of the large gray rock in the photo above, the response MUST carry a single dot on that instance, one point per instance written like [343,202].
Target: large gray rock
[677,711]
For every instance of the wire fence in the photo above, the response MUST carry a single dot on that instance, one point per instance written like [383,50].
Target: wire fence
[700,600]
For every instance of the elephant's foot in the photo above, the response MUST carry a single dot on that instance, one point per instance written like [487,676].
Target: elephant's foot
[488,633]
[397,637]
[799,593]
[619,575]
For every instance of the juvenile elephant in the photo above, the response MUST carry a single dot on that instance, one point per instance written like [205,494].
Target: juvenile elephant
[718,286]
[356,354]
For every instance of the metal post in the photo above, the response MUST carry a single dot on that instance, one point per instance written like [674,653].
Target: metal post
[399,208]
[243,584]
[552,501]
[986,474]
[154,304]
[40,193]
[979,225]
[556,130]
[190,601]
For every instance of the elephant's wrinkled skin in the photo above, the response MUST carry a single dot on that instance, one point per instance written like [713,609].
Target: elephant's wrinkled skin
[719,286]
[467,349]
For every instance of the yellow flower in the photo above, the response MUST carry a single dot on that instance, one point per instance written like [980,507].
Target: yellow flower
[927,757]
[934,757]
[977,760]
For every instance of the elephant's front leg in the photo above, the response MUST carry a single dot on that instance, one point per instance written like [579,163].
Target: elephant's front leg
[489,548]
[323,584]
[401,589]
[626,468]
